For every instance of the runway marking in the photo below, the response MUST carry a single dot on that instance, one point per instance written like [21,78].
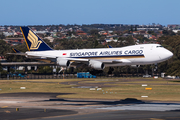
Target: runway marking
[144,96]
[22,87]
[148,88]
[7,111]
[92,89]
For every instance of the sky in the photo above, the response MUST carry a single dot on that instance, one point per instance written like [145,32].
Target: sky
[55,12]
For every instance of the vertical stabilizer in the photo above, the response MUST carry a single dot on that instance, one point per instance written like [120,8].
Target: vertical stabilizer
[33,42]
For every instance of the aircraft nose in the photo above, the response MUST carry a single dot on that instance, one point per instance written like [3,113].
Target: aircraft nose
[170,54]
[166,54]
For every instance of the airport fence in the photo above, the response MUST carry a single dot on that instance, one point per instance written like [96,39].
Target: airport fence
[59,76]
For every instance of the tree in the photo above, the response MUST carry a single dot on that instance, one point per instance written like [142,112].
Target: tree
[151,32]
[130,40]
[94,32]
[174,68]
[1,69]
[2,36]
[168,32]
[171,66]
[178,33]
[96,43]
[136,28]
[111,69]
[45,69]
[140,38]
[131,28]
[4,48]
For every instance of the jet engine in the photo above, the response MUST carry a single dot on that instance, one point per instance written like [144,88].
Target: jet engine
[63,62]
[96,64]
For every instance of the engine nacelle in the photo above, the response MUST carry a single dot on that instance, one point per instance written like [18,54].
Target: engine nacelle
[63,62]
[96,64]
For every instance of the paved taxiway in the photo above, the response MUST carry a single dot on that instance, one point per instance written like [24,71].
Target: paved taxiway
[46,106]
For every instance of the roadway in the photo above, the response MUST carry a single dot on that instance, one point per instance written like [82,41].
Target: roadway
[46,106]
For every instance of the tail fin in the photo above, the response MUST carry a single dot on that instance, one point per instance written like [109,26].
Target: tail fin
[33,42]
[109,46]
[16,51]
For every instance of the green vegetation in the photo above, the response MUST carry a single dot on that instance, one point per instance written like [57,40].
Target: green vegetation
[173,44]
[119,88]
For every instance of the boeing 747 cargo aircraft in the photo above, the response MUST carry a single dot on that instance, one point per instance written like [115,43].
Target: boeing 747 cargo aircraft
[96,58]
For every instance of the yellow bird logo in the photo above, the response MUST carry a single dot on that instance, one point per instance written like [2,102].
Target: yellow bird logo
[35,43]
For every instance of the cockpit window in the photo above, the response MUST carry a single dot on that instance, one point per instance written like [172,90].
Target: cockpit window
[159,46]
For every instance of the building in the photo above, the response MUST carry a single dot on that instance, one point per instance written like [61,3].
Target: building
[80,32]
[14,41]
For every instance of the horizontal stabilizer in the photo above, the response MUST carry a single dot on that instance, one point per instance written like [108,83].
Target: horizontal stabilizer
[17,53]
[109,46]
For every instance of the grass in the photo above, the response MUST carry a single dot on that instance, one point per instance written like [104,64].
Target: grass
[119,88]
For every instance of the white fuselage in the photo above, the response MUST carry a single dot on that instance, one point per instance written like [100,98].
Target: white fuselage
[130,55]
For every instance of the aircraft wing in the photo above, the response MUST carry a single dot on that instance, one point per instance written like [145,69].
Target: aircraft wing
[74,62]
[88,60]
[97,64]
